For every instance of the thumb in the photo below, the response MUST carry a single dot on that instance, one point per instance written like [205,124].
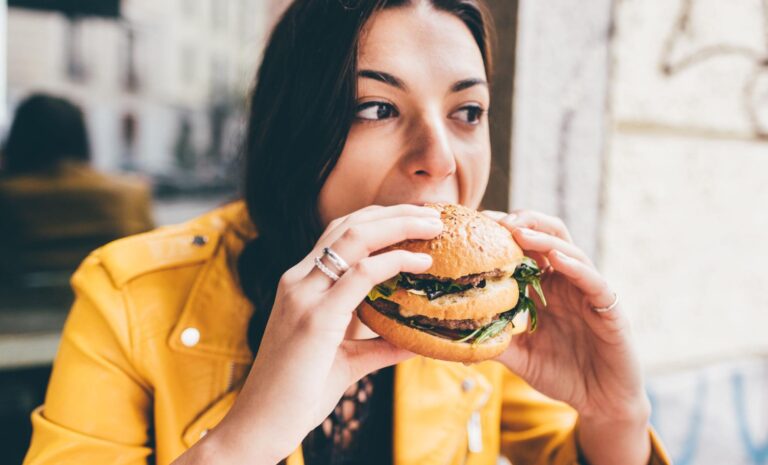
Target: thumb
[516,357]
[366,356]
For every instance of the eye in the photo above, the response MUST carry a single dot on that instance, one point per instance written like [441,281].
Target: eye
[471,114]
[375,111]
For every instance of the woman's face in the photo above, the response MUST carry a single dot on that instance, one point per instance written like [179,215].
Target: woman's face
[421,130]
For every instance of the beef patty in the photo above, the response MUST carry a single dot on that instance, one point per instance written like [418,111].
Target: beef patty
[392,310]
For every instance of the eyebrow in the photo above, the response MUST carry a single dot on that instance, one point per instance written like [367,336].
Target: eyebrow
[467,83]
[381,76]
[393,81]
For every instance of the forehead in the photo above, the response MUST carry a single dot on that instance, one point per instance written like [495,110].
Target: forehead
[420,41]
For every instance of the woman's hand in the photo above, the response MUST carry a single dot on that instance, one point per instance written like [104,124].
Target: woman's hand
[304,365]
[576,355]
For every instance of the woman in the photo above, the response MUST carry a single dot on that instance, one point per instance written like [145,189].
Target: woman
[359,104]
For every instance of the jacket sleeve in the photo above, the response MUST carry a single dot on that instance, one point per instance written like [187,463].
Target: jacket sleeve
[536,430]
[97,406]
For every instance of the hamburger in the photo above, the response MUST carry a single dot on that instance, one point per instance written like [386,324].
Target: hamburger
[470,303]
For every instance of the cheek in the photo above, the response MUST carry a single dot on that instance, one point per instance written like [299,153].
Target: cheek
[358,176]
[474,167]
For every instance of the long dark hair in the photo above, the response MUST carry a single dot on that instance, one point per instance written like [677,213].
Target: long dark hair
[45,131]
[301,111]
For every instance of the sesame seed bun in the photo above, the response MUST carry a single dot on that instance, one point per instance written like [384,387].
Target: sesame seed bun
[470,244]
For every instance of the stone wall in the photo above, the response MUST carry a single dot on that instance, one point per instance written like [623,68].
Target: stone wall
[685,223]
[643,124]
[559,132]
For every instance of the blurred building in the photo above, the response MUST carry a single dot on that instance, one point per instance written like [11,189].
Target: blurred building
[163,86]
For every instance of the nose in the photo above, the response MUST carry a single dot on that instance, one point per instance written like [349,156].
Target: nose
[431,154]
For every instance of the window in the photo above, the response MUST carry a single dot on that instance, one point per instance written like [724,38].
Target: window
[220,14]
[189,8]
[73,51]
[188,67]
[219,76]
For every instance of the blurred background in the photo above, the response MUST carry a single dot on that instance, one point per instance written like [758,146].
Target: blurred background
[642,123]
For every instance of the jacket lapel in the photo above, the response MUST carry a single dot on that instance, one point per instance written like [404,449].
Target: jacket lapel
[218,311]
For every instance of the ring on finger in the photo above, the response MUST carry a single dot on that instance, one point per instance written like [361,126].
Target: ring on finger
[326,271]
[336,260]
[610,307]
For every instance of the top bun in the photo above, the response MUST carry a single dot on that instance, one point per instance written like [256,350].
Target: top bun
[470,243]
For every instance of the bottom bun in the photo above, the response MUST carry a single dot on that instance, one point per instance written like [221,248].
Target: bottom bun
[422,343]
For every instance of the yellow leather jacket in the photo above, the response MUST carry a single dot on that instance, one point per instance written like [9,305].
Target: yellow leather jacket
[154,351]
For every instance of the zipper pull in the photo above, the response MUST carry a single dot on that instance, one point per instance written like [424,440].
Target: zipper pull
[475,433]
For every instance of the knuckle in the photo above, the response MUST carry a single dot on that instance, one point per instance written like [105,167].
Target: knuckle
[521,212]
[291,302]
[353,234]
[286,279]
[526,218]
[365,269]
[561,227]
[531,222]
[291,276]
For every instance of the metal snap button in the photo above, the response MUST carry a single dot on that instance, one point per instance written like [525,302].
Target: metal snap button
[468,384]
[190,337]
[199,241]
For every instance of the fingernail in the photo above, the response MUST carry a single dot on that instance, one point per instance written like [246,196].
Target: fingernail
[511,218]
[422,257]
[434,222]
[528,232]
[431,211]
[493,214]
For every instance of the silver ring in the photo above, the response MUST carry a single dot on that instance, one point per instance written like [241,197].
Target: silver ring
[326,271]
[610,307]
[336,260]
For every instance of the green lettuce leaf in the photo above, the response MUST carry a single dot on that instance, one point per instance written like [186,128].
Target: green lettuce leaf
[492,330]
[385,289]
[527,275]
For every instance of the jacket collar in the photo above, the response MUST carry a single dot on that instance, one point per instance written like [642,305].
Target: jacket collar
[217,311]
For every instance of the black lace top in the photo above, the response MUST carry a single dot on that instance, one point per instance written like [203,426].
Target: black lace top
[359,430]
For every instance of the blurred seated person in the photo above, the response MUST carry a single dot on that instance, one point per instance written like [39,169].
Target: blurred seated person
[54,207]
